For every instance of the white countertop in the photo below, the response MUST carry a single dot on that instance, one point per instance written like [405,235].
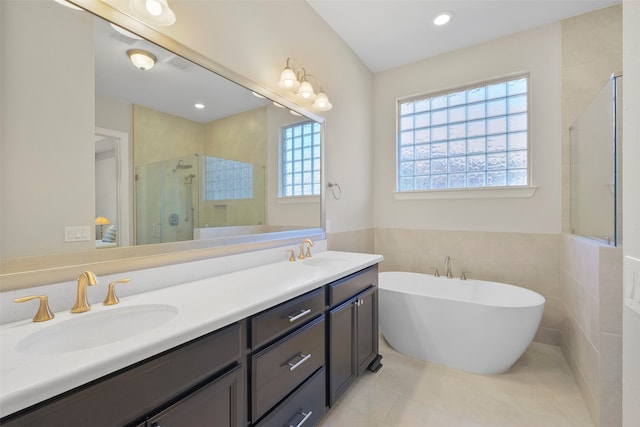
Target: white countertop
[203,306]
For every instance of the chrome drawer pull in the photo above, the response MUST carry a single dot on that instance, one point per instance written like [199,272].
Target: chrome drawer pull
[293,318]
[306,417]
[305,357]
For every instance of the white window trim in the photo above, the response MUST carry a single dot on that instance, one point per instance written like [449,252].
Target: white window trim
[297,200]
[468,193]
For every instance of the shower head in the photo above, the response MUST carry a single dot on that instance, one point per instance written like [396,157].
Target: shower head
[181,166]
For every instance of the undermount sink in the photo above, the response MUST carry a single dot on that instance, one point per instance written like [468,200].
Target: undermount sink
[95,329]
[323,261]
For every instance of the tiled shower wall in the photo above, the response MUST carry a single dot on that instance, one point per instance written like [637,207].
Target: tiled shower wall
[591,328]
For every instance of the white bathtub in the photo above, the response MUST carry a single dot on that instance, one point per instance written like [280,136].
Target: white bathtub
[472,325]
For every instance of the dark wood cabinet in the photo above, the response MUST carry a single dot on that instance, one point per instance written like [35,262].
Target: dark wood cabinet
[353,334]
[283,366]
[218,403]
[305,407]
[280,368]
[129,396]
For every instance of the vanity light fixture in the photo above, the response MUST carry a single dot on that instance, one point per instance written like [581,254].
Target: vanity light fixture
[442,18]
[305,91]
[298,81]
[288,77]
[321,102]
[155,12]
[141,58]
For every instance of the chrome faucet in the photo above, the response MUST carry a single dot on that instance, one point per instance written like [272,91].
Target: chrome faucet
[302,255]
[87,278]
[447,263]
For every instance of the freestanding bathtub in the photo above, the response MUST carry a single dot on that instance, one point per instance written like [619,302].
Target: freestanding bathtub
[471,325]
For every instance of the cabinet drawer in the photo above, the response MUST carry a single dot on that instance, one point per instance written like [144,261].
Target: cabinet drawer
[283,366]
[218,403]
[305,407]
[138,390]
[285,317]
[343,289]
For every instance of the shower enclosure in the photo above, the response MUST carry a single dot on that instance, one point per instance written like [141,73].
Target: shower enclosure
[596,167]
[175,197]
[165,195]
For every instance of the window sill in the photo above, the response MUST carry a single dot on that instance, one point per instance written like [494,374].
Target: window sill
[293,200]
[468,193]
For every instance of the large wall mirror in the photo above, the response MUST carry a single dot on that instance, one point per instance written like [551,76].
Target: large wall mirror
[103,161]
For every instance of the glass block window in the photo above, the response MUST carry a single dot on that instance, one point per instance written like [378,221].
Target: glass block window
[300,160]
[227,179]
[472,137]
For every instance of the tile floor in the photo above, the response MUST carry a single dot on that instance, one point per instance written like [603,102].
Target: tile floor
[538,391]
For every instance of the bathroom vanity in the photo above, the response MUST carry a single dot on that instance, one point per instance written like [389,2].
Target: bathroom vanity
[268,346]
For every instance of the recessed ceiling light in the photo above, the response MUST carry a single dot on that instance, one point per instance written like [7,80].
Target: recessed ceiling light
[442,18]
[257,95]
[199,106]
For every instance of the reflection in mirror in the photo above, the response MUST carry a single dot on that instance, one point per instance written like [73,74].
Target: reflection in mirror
[183,171]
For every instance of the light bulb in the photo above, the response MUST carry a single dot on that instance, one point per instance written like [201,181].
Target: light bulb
[322,102]
[306,90]
[154,12]
[288,79]
[154,7]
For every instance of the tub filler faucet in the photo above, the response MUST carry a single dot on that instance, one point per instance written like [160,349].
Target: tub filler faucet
[447,263]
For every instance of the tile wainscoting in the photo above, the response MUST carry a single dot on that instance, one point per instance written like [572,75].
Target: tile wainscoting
[581,281]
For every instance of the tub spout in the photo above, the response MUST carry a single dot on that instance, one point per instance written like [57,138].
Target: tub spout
[447,263]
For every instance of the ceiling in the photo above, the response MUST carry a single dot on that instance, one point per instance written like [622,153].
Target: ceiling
[173,85]
[389,33]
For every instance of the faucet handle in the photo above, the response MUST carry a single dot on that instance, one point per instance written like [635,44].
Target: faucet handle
[44,313]
[292,254]
[112,298]
[436,273]
[463,276]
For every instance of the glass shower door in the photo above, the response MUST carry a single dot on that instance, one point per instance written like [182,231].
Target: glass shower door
[596,167]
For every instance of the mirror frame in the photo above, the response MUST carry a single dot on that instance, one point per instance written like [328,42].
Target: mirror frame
[26,272]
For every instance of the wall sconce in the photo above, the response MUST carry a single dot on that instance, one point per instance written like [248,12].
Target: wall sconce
[298,82]
[155,12]
[141,59]
[102,221]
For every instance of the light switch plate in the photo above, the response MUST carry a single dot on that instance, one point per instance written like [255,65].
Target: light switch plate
[80,233]
[632,283]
